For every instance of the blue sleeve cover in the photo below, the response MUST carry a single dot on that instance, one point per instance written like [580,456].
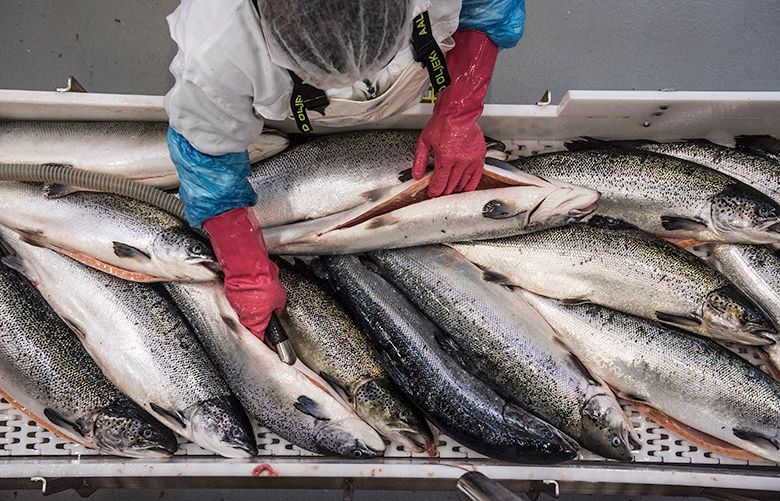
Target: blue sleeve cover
[209,185]
[502,21]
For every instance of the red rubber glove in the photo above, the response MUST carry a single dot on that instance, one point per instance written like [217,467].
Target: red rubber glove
[251,279]
[452,135]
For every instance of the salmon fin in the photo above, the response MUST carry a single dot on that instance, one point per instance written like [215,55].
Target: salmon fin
[406,174]
[672,223]
[679,320]
[574,301]
[498,278]
[586,143]
[75,328]
[231,324]
[57,190]
[695,436]
[44,423]
[756,438]
[584,370]
[16,264]
[309,407]
[382,221]
[450,347]
[34,238]
[769,364]
[59,420]
[130,252]
[494,144]
[335,385]
[499,209]
[175,416]
[377,194]
[610,223]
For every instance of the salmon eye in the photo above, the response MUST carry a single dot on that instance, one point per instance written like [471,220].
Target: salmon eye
[616,442]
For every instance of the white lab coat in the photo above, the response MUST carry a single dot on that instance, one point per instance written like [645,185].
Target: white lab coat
[227,83]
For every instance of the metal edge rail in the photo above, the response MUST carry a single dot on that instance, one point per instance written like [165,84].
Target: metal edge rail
[327,469]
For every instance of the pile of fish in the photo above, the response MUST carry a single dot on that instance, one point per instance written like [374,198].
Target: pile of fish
[517,319]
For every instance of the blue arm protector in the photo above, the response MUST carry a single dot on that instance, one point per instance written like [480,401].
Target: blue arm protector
[210,185]
[502,21]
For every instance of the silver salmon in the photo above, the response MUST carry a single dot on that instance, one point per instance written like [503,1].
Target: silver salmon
[143,345]
[402,216]
[283,398]
[47,374]
[693,380]
[627,271]
[665,196]
[117,235]
[327,340]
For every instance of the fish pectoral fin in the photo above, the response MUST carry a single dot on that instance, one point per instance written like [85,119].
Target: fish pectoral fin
[610,223]
[756,438]
[500,209]
[574,301]
[335,385]
[377,194]
[495,277]
[231,324]
[382,221]
[59,420]
[16,264]
[701,250]
[174,415]
[57,190]
[672,223]
[130,252]
[309,407]
[584,370]
[34,238]
[679,320]
[450,347]
[75,328]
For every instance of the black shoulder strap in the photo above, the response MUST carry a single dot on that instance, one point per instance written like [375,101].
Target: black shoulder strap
[428,52]
[304,97]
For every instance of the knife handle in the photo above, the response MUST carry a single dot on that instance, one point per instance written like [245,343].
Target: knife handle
[277,336]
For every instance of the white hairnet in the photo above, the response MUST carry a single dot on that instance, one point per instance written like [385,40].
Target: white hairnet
[334,43]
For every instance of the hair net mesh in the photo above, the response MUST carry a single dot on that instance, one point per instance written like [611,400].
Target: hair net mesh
[334,43]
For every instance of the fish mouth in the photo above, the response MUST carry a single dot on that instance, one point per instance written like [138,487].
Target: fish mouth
[578,214]
[763,332]
[773,227]
[154,452]
[211,266]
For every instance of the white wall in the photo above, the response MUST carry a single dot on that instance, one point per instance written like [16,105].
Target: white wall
[123,46]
